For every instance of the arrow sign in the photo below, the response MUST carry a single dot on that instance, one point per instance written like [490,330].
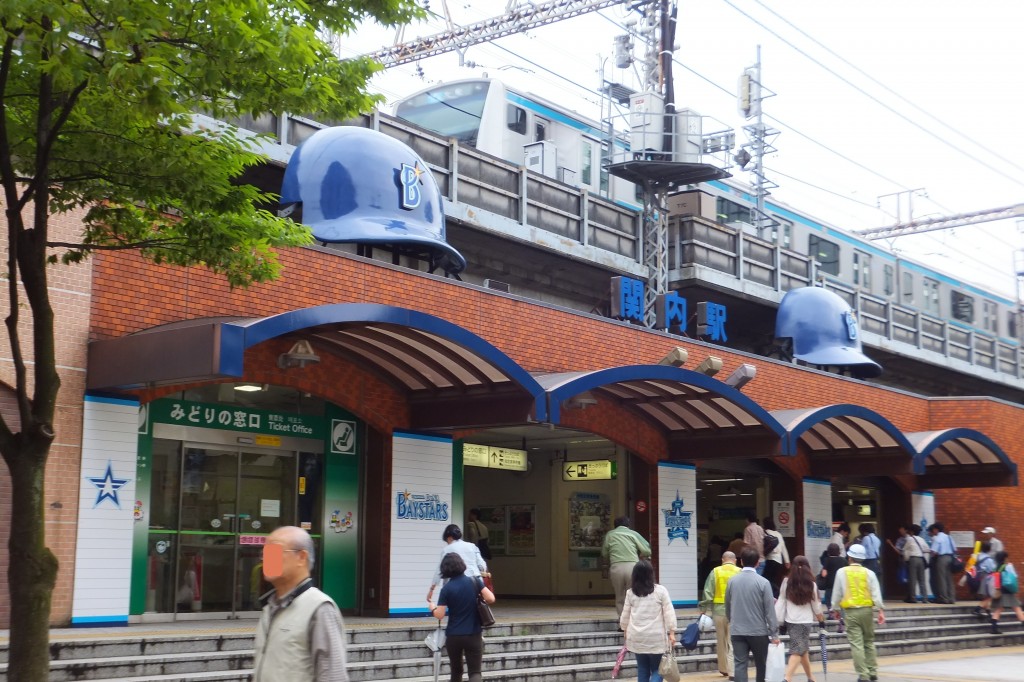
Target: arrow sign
[589,470]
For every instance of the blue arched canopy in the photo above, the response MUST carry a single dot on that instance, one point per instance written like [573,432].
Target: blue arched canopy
[847,440]
[701,417]
[451,377]
[961,458]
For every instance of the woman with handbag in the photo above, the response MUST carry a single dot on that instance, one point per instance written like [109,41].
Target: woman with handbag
[799,607]
[464,634]
[649,621]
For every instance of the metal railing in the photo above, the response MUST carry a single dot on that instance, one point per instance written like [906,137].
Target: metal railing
[698,247]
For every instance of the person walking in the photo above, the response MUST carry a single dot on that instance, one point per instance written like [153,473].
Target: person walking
[1007,597]
[831,562]
[300,636]
[477,533]
[622,548]
[776,561]
[476,567]
[753,535]
[984,566]
[841,537]
[464,634]
[943,550]
[989,533]
[750,608]
[872,549]
[799,607]
[914,552]
[714,599]
[857,593]
[649,621]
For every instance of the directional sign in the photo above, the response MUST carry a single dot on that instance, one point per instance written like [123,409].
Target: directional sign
[494,458]
[590,470]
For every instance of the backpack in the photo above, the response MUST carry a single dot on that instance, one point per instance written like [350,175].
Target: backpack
[770,543]
[1009,580]
[691,636]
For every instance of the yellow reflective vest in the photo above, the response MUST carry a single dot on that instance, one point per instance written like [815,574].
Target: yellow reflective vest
[858,590]
[723,574]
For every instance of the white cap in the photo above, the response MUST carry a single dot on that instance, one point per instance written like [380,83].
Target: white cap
[989,530]
[856,552]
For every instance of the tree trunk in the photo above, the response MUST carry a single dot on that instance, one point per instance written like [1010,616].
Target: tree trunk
[33,567]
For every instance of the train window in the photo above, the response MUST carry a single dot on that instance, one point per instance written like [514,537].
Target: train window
[516,119]
[990,316]
[540,130]
[731,212]
[889,277]
[930,290]
[862,270]
[825,252]
[782,232]
[586,168]
[908,288]
[1012,324]
[604,171]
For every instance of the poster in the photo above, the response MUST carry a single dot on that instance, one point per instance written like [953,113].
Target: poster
[522,530]
[589,520]
[784,515]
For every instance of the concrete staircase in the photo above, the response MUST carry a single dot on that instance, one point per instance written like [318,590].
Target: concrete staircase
[570,649]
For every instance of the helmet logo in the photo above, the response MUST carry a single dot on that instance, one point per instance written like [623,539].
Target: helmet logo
[851,325]
[411,193]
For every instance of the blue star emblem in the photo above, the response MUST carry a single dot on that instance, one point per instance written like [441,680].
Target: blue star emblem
[107,486]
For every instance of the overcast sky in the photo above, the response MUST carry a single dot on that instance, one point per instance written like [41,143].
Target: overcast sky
[853,78]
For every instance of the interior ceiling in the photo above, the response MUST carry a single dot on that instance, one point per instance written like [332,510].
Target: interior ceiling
[540,439]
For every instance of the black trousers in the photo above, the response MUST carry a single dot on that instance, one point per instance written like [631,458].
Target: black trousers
[470,645]
[754,644]
[773,574]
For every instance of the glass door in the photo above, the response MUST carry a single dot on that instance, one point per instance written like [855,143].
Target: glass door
[266,501]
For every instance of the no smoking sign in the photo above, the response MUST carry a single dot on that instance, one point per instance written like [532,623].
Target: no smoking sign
[641,506]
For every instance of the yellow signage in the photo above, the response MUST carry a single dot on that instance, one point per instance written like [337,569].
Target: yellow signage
[589,470]
[493,458]
[274,441]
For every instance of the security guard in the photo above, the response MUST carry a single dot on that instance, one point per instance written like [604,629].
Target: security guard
[714,598]
[856,591]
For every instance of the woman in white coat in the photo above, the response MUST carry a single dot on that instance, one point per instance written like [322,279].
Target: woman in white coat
[649,621]
[799,606]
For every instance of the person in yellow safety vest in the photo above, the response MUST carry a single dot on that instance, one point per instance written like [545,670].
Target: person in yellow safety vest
[856,591]
[714,599]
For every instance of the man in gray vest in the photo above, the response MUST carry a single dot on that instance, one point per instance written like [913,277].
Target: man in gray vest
[300,636]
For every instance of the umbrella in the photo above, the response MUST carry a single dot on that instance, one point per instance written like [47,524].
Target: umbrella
[435,641]
[618,662]
[822,636]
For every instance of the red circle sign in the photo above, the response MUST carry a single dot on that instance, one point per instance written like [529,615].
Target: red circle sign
[784,518]
[641,506]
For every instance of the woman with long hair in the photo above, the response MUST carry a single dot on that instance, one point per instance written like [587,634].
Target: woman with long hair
[649,621]
[799,606]
[464,634]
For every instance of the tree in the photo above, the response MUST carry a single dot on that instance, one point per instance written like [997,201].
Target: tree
[96,114]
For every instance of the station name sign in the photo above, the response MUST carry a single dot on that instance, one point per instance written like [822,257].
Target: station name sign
[589,470]
[627,303]
[493,458]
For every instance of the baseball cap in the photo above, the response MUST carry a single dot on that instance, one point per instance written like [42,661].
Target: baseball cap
[856,552]
[989,530]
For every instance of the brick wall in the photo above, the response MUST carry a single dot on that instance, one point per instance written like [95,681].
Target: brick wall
[69,288]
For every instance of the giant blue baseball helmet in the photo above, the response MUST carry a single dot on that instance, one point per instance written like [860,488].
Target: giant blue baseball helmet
[824,330]
[360,186]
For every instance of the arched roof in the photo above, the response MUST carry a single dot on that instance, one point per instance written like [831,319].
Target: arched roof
[446,370]
[700,416]
[960,458]
[847,439]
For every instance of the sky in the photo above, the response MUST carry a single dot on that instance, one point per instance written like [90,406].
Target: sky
[872,98]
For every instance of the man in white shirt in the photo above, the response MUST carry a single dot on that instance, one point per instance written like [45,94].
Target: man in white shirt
[915,553]
[454,544]
[872,548]
[841,537]
[943,550]
[753,535]
[989,534]
[857,593]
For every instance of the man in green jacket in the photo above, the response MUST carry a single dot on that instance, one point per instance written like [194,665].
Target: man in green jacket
[622,548]
[713,599]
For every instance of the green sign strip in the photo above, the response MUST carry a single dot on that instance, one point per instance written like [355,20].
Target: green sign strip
[342,513]
[140,531]
[236,418]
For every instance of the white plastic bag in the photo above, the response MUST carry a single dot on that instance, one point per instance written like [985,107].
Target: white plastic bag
[775,668]
[706,623]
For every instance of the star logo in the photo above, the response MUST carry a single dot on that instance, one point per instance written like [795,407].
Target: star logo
[107,485]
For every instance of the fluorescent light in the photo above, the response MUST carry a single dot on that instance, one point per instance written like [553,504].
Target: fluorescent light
[726,494]
[720,480]
[248,388]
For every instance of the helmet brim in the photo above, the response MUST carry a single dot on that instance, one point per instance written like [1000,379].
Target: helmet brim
[387,231]
[861,364]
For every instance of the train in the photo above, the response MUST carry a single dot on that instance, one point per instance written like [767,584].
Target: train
[560,143]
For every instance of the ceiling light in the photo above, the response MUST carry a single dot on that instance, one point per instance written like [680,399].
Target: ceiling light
[720,480]
[248,388]
[726,494]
